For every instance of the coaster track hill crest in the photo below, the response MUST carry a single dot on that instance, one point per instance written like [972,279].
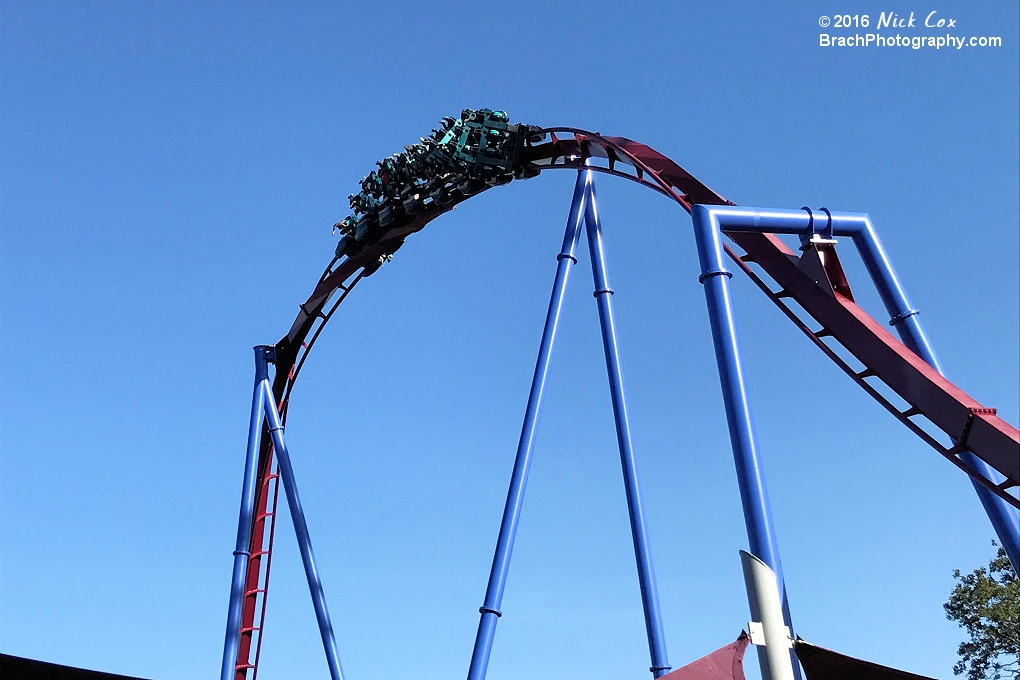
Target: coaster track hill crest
[482,149]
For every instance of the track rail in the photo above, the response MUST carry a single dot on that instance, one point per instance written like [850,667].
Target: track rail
[970,426]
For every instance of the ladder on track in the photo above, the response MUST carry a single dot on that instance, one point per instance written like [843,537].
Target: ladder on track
[257,580]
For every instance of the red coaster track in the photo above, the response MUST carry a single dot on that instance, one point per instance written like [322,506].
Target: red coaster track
[829,302]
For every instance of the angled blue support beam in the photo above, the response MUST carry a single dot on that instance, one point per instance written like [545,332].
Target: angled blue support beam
[244,522]
[905,318]
[490,611]
[639,533]
[297,515]
[264,410]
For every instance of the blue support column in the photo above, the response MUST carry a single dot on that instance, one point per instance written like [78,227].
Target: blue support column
[642,553]
[522,463]
[244,522]
[904,317]
[297,514]
[1005,519]
[743,439]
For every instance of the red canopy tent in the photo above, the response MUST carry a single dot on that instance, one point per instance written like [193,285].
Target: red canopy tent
[819,664]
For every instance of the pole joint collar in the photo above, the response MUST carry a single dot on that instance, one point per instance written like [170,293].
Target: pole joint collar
[901,317]
[715,272]
[562,256]
[490,610]
[602,291]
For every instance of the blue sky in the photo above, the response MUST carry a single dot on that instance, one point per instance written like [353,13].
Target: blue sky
[168,177]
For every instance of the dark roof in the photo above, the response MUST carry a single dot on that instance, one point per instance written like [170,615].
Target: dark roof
[824,664]
[17,668]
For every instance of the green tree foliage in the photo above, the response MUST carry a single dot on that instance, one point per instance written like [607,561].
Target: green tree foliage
[987,604]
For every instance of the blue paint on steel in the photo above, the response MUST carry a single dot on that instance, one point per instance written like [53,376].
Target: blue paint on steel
[1005,519]
[753,494]
[642,553]
[522,463]
[750,477]
[904,318]
[246,518]
[297,515]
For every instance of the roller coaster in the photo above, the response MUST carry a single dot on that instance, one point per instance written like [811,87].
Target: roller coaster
[482,149]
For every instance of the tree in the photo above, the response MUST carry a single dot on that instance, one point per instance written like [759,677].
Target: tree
[987,604]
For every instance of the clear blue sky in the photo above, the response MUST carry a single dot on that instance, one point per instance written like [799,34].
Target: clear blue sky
[169,173]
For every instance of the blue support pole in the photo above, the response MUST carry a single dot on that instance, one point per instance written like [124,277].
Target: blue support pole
[903,316]
[1005,519]
[297,514]
[246,518]
[715,277]
[642,553]
[518,481]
